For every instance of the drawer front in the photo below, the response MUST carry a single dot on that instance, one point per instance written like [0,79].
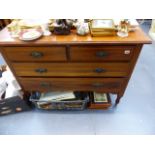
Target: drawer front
[79,84]
[101,53]
[30,54]
[72,69]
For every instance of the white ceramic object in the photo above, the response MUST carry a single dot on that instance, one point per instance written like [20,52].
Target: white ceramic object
[45,29]
[123,29]
[82,28]
[122,34]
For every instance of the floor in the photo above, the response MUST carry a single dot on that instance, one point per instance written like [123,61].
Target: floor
[134,115]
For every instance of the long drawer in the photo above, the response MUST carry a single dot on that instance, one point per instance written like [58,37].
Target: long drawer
[72,69]
[79,84]
[101,53]
[30,54]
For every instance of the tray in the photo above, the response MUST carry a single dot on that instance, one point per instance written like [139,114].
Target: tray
[78,104]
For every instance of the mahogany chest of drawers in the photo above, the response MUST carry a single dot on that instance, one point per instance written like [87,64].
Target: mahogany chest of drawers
[102,64]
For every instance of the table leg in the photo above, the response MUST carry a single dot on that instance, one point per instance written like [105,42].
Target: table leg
[118,99]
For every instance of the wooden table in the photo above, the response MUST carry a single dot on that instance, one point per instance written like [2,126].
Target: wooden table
[77,63]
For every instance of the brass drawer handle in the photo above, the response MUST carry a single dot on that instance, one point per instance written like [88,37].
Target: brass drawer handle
[99,70]
[37,54]
[98,85]
[102,54]
[41,70]
[45,85]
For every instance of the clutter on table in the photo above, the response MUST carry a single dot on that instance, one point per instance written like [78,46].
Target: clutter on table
[30,29]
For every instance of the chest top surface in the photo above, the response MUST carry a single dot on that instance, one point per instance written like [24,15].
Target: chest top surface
[137,37]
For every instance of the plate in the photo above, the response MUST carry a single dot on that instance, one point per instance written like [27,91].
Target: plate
[30,35]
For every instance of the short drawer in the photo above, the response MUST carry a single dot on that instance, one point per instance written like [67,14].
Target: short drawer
[72,69]
[101,53]
[112,85]
[30,54]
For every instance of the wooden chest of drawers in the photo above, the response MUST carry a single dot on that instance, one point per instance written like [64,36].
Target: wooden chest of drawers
[102,64]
